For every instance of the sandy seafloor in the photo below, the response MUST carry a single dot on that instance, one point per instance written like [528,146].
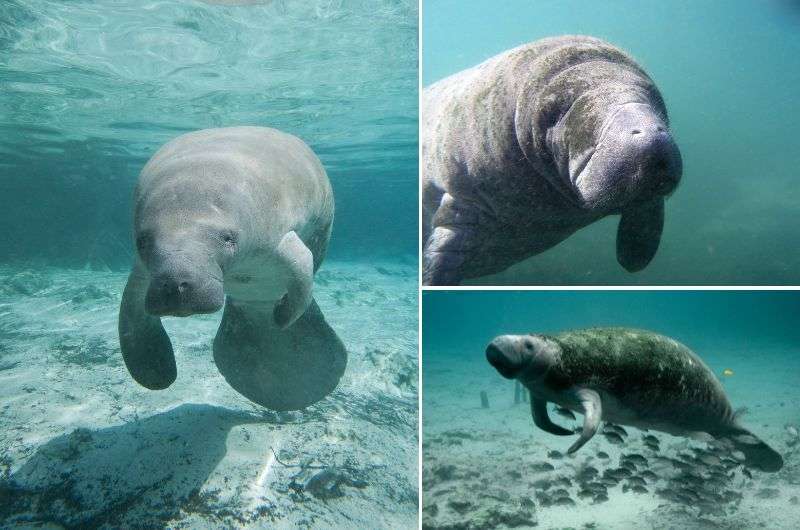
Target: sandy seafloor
[83,446]
[480,465]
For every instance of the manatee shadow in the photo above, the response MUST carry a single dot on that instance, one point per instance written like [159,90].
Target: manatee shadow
[140,474]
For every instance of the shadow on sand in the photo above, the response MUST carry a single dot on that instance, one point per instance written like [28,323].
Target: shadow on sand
[141,473]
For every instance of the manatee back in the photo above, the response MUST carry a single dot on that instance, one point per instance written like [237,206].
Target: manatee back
[645,371]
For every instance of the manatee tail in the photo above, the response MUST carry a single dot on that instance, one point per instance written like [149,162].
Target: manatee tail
[280,369]
[757,454]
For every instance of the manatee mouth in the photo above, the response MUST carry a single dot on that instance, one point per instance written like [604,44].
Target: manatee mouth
[500,361]
[183,296]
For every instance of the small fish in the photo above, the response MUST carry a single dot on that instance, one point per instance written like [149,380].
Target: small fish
[637,480]
[585,494]
[597,487]
[602,454]
[543,466]
[639,489]
[600,498]
[636,458]
[610,480]
[649,438]
[614,438]
[710,460]
[563,481]
[627,464]
[555,454]
[648,475]
[561,492]
[619,473]
[611,427]
[564,501]
[564,412]
[746,473]
[652,447]
[727,372]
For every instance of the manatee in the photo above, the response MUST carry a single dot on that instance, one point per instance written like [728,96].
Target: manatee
[239,217]
[526,148]
[629,377]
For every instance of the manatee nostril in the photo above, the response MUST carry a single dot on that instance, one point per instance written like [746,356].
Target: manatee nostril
[183,286]
[636,131]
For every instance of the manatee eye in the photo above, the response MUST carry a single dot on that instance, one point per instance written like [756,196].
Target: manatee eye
[528,345]
[143,241]
[229,239]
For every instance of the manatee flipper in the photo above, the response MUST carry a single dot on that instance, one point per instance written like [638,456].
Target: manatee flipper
[592,414]
[299,261]
[639,233]
[757,454]
[542,420]
[449,244]
[146,348]
[280,369]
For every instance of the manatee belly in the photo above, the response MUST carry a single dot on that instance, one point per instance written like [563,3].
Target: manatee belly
[257,281]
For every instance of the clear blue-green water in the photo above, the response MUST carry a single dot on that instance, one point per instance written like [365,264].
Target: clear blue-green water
[88,92]
[494,454]
[91,90]
[728,71]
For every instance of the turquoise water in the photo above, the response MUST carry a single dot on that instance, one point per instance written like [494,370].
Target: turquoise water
[729,73]
[753,334]
[88,92]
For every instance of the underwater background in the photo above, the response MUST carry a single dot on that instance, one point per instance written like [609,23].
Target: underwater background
[88,92]
[729,73]
[484,467]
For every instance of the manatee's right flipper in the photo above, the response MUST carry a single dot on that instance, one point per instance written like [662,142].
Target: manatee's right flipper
[757,454]
[592,414]
[146,348]
[448,245]
[639,233]
[280,369]
[542,420]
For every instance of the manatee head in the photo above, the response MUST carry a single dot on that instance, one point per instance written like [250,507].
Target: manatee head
[615,154]
[611,156]
[595,126]
[523,357]
[185,242]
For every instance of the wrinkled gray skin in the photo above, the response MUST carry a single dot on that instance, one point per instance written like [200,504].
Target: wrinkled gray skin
[524,149]
[242,212]
[629,377]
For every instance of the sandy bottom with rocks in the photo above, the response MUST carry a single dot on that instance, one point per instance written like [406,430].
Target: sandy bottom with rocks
[83,446]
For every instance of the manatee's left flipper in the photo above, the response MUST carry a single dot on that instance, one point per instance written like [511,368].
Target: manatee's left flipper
[542,420]
[295,256]
[281,369]
[592,414]
[639,234]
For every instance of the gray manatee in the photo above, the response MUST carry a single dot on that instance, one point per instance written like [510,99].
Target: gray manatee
[239,217]
[524,149]
[625,376]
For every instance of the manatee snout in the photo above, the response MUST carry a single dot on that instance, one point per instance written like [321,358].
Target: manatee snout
[638,153]
[182,291]
[635,160]
[504,357]
[660,165]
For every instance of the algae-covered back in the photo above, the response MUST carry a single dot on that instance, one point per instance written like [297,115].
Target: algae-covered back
[640,367]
